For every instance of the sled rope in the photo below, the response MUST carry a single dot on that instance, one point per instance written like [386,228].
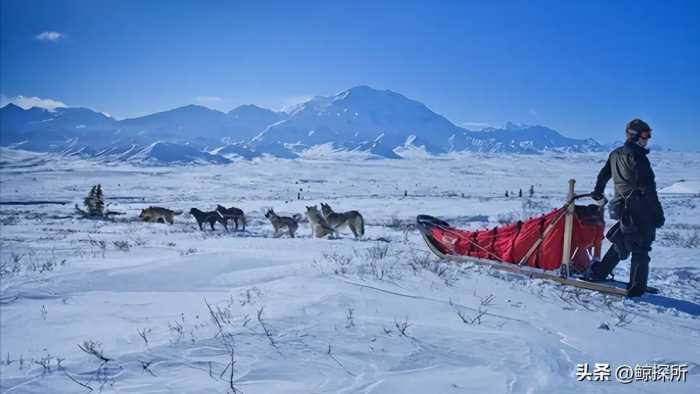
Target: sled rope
[544,234]
[516,231]
[473,243]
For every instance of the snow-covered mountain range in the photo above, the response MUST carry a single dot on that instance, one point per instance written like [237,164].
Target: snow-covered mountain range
[361,119]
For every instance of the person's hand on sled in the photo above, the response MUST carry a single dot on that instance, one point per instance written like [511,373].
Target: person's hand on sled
[599,198]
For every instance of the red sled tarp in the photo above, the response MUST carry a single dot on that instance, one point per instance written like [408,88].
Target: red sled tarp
[511,243]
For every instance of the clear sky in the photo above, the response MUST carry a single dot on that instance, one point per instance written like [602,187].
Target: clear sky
[584,68]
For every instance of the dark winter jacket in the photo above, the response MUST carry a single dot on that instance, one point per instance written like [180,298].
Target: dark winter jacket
[631,172]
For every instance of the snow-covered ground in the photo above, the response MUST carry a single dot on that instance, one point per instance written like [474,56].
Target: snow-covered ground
[308,315]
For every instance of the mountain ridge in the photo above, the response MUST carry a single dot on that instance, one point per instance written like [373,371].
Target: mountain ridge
[361,119]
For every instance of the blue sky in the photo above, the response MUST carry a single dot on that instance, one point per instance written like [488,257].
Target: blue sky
[584,68]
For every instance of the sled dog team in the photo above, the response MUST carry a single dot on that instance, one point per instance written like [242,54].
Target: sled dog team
[323,222]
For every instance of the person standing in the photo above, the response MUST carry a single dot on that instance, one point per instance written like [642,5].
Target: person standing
[636,206]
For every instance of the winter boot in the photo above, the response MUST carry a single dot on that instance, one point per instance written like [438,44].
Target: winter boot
[639,273]
[600,270]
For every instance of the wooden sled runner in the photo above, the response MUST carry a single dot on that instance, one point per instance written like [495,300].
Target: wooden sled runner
[537,248]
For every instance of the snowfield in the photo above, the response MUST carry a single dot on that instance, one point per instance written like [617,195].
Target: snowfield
[130,307]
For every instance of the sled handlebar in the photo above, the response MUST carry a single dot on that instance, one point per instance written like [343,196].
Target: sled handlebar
[577,196]
[601,202]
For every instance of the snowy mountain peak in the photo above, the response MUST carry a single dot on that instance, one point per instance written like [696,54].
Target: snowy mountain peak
[193,108]
[244,107]
[251,109]
[361,114]
[368,96]
[361,91]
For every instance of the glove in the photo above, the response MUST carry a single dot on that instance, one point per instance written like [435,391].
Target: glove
[660,221]
[597,196]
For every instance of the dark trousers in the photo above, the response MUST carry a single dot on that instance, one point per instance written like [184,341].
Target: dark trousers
[633,234]
[639,270]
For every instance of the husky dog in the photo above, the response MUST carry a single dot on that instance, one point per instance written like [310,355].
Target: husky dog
[319,227]
[280,222]
[158,214]
[232,213]
[337,220]
[211,217]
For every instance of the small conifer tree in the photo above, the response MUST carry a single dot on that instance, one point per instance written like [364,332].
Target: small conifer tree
[88,202]
[94,202]
[99,201]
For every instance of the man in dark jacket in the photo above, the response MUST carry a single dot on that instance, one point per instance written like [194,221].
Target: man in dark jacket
[639,210]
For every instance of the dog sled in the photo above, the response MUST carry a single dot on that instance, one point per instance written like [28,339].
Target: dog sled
[558,246]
